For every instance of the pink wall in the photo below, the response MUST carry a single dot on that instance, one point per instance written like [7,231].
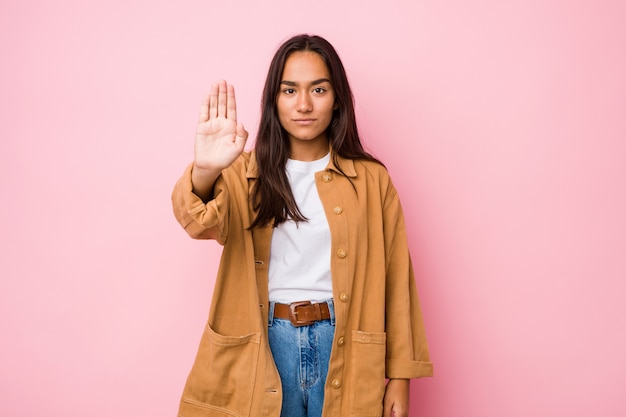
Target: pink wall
[502,123]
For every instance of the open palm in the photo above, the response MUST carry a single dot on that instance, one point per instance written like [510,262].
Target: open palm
[219,138]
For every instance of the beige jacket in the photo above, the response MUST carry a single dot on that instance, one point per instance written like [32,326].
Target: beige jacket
[379,331]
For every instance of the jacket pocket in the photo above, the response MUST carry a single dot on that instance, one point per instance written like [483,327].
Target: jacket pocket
[222,378]
[368,373]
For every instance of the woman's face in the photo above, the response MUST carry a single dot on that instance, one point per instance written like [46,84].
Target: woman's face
[306,101]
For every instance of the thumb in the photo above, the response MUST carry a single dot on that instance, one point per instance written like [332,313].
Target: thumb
[241,133]
[388,410]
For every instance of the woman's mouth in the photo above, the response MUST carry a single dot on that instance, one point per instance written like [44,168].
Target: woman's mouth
[303,122]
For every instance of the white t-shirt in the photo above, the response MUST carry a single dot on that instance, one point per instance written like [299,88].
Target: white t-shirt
[299,266]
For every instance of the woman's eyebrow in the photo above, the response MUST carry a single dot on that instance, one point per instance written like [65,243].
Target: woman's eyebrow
[315,82]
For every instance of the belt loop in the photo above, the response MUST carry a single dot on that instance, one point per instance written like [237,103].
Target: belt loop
[331,310]
[270,315]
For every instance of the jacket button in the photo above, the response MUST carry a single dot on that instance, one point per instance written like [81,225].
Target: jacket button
[341,341]
[344,297]
[336,383]
[338,210]
[327,177]
[341,252]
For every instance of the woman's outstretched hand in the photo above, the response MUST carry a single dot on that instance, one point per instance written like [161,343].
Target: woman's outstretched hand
[219,138]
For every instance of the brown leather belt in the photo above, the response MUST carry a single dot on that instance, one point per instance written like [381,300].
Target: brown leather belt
[302,313]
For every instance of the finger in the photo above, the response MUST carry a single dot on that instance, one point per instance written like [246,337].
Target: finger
[242,135]
[231,109]
[213,102]
[221,99]
[204,110]
[398,411]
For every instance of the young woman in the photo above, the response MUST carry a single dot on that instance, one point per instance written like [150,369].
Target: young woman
[315,310]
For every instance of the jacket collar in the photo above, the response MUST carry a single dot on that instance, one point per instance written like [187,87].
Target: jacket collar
[253,168]
[343,164]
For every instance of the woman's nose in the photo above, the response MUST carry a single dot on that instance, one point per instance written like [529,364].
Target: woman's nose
[304,103]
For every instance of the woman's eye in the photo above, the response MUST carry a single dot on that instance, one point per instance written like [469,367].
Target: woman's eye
[319,90]
[289,91]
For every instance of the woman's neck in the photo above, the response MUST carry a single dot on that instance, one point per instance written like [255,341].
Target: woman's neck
[309,150]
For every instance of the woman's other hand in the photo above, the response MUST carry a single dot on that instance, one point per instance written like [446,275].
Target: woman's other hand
[396,401]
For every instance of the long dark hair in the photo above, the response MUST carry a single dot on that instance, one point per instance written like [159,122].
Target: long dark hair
[272,196]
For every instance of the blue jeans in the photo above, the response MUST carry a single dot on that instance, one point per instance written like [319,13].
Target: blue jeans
[301,355]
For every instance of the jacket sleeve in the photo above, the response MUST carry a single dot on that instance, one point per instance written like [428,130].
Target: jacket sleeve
[407,349]
[200,220]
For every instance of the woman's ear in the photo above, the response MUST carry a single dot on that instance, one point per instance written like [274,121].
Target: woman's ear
[335,106]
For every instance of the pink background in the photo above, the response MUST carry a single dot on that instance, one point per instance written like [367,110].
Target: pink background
[502,123]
